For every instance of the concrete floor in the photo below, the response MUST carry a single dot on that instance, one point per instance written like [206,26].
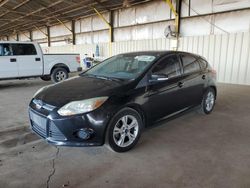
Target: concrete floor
[190,151]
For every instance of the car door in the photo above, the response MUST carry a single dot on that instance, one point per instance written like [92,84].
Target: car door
[8,64]
[28,60]
[193,79]
[165,96]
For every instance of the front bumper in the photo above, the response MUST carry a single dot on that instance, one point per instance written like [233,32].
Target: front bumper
[62,131]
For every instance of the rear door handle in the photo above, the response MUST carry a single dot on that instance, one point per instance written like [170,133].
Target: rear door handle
[180,84]
[203,77]
[12,59]
[38,59]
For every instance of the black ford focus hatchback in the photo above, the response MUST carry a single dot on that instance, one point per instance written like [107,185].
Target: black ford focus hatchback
[114,101]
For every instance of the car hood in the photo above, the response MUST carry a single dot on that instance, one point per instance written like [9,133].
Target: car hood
[80,88]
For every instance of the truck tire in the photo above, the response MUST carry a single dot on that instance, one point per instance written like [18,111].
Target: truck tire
[46,78]
[59,74]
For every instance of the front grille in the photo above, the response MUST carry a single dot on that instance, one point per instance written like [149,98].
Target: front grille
[55,133]
[38,124]
[38,130]
[41,124]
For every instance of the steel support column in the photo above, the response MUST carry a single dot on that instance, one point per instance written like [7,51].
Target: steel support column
[73,25]
[110,29]
[177,13]
[178,8]
[31,35]
[189,7]
[48,36]
[111,22]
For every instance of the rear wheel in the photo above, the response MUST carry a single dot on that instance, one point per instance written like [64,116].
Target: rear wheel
[208,101]
[59,74]
[124,130]
[46,78]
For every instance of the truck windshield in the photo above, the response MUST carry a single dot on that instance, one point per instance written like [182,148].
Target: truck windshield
[125,66]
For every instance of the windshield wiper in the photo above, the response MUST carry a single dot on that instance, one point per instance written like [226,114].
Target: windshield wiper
[111,78]
[89,75]
[102,77]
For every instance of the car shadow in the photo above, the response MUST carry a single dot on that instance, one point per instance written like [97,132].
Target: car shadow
[164,121]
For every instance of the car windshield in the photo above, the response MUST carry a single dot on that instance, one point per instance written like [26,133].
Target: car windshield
[125,66]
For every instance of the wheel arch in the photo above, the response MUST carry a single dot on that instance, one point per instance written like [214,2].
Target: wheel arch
[138,108]
[133,106]
[215,90]
[60,65]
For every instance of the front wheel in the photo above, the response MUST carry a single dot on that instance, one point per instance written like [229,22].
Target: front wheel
[124,130]
[208,101]
[59,74]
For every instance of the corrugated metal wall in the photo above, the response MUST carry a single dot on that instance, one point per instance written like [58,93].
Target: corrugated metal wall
[228,54]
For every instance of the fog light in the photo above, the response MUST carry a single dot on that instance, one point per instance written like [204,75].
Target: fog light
[84,133]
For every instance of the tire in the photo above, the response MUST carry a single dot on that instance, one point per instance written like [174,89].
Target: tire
[208,101]
[46,78]
[59,74]
[121,138]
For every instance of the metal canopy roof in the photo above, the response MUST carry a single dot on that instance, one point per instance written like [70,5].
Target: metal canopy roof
[27,15]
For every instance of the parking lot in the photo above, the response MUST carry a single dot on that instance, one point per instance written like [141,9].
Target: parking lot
[191,151]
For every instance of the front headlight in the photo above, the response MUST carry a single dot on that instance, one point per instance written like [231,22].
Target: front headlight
[80,107]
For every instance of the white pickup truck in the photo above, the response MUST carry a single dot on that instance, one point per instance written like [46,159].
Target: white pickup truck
[20,60]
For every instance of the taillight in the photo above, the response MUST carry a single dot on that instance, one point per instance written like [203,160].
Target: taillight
[213,72]
[78,59]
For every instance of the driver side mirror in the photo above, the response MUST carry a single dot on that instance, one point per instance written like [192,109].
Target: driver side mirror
[158,77]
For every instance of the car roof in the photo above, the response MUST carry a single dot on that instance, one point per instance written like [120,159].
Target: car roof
[160,53]
[146,52]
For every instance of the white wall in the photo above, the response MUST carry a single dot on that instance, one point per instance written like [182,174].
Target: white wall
[37,34]
[228,54]
[60,30]
[24,36]
[93,37]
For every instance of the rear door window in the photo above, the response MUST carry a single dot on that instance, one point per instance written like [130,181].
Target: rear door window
[5,50]
[203,64]
[190,64]
[169,66]
[23,49]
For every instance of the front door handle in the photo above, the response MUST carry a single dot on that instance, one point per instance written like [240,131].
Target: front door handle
[203,77]
[12,59]
[38,59]
[180,84]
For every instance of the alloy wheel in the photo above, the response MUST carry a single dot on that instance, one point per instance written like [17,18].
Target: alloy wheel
[209,102]
[125,131]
